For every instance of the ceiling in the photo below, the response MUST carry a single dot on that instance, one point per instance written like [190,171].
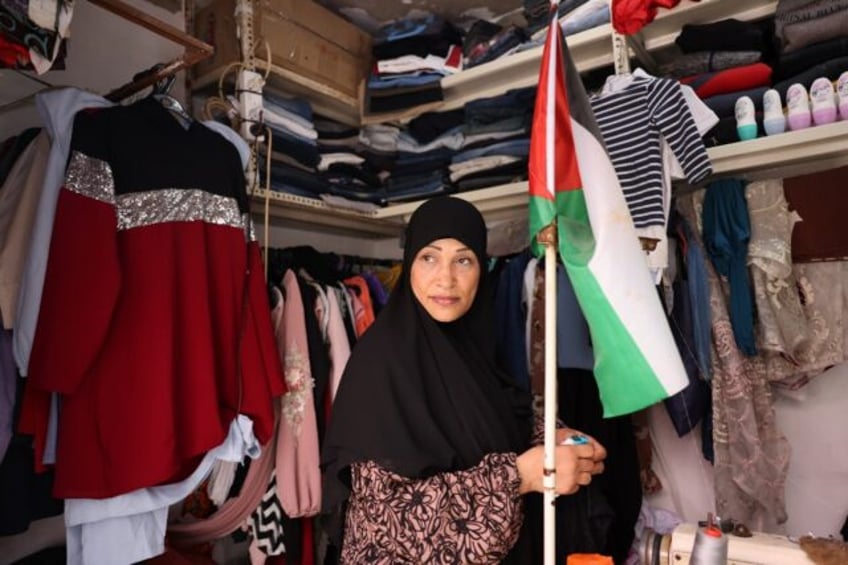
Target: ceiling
[369,13]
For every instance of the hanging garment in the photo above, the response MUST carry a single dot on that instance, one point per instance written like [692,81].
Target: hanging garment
[298,473]
[510,316]
[782,324]
[232,515]
[365,318]
[130,528]
[56,108]
[633,120]
[751,454]
[135,238]
[727,229]
[600,518]
[18,202]
[266,531]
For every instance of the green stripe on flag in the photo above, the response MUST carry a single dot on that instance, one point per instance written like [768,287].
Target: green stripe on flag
[625,379]
[575,233]
[542,213]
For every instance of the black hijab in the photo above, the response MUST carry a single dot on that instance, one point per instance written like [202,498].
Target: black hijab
[420,397]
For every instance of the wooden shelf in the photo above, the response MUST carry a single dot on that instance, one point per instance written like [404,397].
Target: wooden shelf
[324,99]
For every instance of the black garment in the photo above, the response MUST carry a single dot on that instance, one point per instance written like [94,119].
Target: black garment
[430,35]
[427,127]
[689,406]
[600,518]
[319,356]
[724,35]
[396,99]
[12,148]
[25,495]
[431,392]
[725,132]
[798,61]
[724,104]
[48,556]
[829,69]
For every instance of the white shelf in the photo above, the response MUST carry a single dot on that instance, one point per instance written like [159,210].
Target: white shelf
[309,213]
[590,49]
[662,32]
[788,154]
[495,202]
[784,155]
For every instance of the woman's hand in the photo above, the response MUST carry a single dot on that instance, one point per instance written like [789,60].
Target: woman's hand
[563,434]
[575,465]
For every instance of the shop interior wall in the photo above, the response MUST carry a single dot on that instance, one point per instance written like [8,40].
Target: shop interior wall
[106,51]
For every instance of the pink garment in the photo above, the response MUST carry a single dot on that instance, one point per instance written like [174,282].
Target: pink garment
[470,516]
[339,344]
[298,453]
[235,511]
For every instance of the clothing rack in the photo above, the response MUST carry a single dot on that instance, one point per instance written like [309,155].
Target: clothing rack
[195,50]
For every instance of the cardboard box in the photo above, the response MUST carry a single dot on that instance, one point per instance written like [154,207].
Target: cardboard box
[303,37]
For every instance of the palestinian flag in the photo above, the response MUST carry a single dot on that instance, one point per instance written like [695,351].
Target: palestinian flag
[572,181]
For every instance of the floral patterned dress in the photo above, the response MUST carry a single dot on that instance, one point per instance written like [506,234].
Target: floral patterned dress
[470,516]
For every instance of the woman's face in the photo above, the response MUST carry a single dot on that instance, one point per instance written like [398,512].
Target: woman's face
[444,278]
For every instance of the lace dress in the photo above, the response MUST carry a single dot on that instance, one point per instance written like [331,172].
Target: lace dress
[751,455]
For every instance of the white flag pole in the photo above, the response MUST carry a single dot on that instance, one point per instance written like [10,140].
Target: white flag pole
[548,238]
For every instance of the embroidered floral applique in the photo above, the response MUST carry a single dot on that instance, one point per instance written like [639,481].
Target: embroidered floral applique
[300,384]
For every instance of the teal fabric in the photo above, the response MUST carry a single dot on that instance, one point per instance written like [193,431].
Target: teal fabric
[727,230]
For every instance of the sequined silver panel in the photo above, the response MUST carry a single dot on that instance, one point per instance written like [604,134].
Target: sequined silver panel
[139,209]
[249,228]
[90,177]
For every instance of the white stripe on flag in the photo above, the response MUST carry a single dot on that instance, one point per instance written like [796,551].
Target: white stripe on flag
[619,265]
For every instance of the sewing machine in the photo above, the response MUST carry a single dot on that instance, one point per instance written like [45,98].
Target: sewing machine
[760,549]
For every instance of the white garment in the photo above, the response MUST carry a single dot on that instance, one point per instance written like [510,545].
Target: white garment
[477,137]
[529,290]
[339,345]
[57,109]
[452,139]
[284,121]
[131,527]
[380,137]
[328,159]
[479,164]
[414,63]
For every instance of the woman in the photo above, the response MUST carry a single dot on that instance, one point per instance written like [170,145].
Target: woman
[429,443]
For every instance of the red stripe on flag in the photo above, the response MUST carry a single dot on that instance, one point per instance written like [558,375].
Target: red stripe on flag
[552,153]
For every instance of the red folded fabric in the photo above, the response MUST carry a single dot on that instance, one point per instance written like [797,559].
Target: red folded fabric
[730,80]
[629,16]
